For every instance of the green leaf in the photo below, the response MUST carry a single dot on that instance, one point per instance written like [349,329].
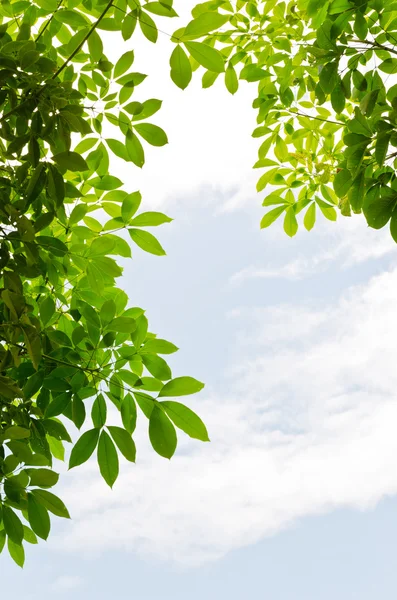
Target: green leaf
[271,216]
[381,147]
[329,77]
[150,219]
[338,99]
[360,26]
[124,442]
[122,325]
[146,241]
[70,161]
[162,433]
[163,9]
[108,460]
[186,419]
[12,525]
[36,183]
[128,413]
[157,366]
[118,148]
[231,79]
[51,503]
[71,17]
[290,222]
[99,411]
[328,211]
[181,70]
[29,536]
[58,406]
[134,149]
[379,212]
[342,182]
[158,346]
[207,57]
[42,477]
[15,432]
[389,66]
[38,517]
[47,309]
[17,552]
[152,134]
[148,27]
[181,386]
[310,217]
[393,226]
[84,448]
[203,24]
[123,64]
[128,25]
[107,312]
[130,205]
[95,46]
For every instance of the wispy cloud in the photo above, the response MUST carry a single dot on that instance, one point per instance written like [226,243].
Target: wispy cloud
[350,242]
[306,426]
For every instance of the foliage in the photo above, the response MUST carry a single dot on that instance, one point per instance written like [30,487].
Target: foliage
[326,101]
[71,350]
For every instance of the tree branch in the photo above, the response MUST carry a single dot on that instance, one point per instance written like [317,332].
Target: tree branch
[94,26]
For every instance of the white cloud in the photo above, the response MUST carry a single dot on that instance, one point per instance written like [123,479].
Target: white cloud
[306,426]
[346,243]
[65,583]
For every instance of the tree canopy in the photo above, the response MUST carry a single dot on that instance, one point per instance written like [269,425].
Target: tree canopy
[73,352]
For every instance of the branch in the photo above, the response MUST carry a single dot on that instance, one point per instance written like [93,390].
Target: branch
[49,20]
[94,26]
[313,117]
[376,45]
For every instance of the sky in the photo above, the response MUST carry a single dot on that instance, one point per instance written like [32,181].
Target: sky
[295,496]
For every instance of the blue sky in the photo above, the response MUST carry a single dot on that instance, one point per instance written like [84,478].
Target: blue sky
[294,499]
